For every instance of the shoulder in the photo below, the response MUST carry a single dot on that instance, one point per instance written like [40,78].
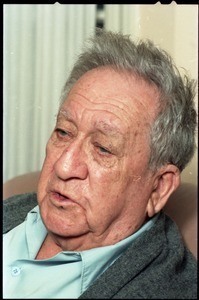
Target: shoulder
[16,208]
[167,268]
[156,265]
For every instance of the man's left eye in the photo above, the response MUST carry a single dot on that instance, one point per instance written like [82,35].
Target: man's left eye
[104,150]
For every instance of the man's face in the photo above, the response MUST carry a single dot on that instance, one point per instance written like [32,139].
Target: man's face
[95,183]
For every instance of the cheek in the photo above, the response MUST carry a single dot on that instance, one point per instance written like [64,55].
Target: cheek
[104,178]
[106,186]
[115,188]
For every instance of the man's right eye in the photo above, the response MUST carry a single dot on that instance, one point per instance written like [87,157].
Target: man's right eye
[61,132]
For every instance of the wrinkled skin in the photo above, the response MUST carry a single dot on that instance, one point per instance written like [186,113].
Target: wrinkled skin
[95,187]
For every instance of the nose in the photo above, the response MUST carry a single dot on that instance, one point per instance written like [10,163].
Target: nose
[72,163]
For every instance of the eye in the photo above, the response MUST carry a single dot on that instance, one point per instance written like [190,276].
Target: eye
[102,150]
[61,133]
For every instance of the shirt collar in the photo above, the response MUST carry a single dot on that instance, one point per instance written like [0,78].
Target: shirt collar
[94,261]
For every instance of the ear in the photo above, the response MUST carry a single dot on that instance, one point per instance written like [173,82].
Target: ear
[166,181]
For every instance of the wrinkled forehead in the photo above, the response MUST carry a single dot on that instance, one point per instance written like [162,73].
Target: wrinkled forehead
[124,95]
[102,121]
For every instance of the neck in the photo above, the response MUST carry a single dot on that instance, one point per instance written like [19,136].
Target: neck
[54,244]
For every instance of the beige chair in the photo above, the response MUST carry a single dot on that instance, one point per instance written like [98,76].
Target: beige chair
[181,207]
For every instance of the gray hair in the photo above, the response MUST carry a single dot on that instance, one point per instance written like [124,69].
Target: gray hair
[172,135]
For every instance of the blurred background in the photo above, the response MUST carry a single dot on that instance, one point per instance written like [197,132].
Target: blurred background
[40,44]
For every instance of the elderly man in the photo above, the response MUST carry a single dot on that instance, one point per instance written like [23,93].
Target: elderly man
[124,132]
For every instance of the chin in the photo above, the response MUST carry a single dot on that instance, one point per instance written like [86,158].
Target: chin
[61,222]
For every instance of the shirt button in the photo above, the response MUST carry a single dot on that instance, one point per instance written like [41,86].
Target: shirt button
[15,271]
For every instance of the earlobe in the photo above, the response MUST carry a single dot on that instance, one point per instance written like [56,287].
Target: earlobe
[153,200]
[166,182]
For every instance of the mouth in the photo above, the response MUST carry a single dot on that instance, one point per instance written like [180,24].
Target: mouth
[59,199]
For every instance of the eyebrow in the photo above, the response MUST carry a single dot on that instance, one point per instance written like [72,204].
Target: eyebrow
[64,114]
[106,128]
[101,126]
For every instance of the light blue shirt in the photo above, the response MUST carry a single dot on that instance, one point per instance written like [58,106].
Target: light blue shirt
[65,275]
